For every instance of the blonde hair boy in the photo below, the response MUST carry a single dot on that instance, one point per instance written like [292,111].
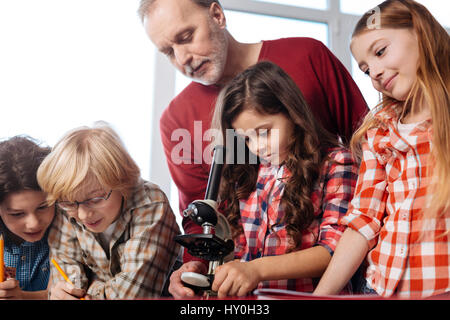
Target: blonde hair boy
[113,232]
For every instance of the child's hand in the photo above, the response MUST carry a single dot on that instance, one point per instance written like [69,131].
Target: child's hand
[65,291]
[176,287]
[235,278]
[10,290]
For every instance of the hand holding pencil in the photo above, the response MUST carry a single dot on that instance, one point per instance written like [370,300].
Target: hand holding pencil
[65,290]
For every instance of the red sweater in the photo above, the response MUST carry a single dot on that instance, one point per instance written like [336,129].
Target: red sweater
[326,85]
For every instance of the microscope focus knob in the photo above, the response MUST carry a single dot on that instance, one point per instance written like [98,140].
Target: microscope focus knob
[201,212]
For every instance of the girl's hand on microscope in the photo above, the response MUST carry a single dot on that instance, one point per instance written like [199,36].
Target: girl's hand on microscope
[176,287]
[236,278]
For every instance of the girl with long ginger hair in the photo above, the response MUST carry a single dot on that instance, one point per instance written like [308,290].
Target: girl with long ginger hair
[401,209]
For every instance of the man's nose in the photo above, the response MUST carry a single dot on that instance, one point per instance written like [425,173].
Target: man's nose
[182,56]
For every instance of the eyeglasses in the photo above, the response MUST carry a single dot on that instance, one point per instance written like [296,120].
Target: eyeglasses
[93,203]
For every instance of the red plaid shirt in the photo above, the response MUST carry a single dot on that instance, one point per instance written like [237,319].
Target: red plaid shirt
[386,210]
[261,215]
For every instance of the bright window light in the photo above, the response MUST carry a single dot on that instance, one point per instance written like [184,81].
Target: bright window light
[438,8]
[67,63]
[317,4]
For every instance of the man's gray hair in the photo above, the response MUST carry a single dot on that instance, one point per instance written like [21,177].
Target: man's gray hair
[144,6]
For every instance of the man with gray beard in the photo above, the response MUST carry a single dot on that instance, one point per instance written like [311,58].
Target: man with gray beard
[194,37]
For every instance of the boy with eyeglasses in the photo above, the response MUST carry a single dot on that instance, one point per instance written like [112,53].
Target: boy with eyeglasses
[113,231]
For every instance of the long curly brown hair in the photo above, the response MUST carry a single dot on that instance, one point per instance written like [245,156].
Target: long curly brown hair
[268,90]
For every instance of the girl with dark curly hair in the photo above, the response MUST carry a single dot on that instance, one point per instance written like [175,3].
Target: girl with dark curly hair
[25,217]
[284,205]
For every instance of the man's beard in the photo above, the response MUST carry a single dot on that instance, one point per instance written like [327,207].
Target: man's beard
[217,60]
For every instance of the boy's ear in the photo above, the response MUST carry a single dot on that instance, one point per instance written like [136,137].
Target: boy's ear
[217,14]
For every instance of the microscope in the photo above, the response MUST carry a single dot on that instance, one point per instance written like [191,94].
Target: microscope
[215,243]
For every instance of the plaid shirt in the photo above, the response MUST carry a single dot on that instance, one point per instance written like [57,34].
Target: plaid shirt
[261,215]
[141,252]
[386,210]
[30,261]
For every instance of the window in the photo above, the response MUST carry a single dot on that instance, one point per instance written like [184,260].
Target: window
[438,8]
[69,63]
[316,4]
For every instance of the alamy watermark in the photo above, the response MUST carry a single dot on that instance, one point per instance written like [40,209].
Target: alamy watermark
[374,20]
[197,147]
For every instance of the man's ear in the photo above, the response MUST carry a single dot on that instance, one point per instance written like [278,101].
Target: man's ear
[217,14]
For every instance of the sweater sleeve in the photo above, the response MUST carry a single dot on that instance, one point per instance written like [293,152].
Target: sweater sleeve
[341,174]
[367,208]
[184,161]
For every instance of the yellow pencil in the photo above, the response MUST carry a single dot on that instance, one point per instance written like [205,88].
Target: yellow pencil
[62,273]
[2,262]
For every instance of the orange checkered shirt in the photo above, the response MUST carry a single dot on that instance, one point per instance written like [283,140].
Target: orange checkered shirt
[387,210]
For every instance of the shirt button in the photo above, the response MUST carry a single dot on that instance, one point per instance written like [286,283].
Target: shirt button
[412,185]
[23,258]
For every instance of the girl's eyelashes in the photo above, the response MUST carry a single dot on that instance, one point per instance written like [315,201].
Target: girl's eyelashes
[16,214]
[380,52]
